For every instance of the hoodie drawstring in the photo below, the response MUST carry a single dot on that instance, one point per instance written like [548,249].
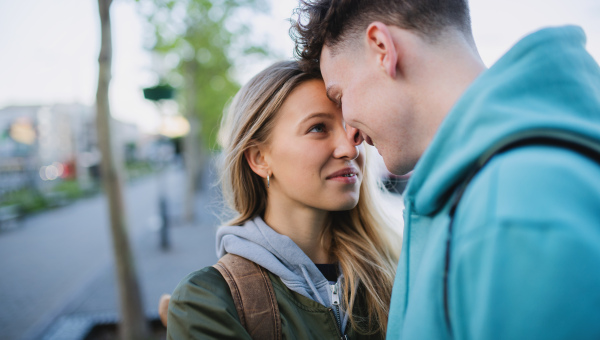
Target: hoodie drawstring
[311,284]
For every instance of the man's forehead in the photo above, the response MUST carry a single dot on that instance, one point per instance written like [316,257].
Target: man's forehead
[328,65]
[331,70]
[328,57]
[326,52]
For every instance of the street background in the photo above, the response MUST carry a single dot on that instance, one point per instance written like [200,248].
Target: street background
[58,272]
[57,261]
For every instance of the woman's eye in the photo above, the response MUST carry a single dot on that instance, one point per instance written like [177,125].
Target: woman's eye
[317,128]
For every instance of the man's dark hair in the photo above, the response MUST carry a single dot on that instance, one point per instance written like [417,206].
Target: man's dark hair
[336,22]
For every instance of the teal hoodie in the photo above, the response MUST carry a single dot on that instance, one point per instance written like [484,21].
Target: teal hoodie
[525,246]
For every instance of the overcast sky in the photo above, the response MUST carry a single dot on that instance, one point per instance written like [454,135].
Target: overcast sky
[49,48]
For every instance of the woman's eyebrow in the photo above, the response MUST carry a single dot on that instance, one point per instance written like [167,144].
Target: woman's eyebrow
[317,115]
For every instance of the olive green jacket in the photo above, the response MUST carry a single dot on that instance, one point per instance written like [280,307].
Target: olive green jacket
[201,307]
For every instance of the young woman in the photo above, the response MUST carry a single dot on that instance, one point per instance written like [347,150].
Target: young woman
[306,211]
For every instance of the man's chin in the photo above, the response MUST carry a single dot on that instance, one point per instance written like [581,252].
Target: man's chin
[397,167]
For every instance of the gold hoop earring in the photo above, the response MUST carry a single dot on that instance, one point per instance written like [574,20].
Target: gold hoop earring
[268,181]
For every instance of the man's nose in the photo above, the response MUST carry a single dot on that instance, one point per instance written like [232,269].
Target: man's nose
[354,135]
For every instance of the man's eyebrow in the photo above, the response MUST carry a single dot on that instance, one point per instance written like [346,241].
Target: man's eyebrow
[329,95]
[317,115]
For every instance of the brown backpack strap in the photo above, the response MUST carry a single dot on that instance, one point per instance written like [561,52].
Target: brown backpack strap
[253,296]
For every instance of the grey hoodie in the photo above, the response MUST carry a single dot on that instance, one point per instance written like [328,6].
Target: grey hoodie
[277,253]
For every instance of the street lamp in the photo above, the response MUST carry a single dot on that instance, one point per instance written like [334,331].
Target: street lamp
[157,94]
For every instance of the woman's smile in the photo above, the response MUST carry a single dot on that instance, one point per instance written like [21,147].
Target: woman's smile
[347,175]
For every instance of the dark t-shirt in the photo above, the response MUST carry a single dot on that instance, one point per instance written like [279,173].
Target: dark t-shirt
[330,271]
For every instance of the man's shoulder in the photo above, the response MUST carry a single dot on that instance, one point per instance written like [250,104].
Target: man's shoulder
[534,183]
[541,169]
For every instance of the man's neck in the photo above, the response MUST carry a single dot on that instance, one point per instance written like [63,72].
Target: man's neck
[451,66]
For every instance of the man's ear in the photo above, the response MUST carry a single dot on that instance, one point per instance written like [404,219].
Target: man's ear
[381,44]
[255,156]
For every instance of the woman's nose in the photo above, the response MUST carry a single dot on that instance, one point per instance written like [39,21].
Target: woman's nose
[348,144]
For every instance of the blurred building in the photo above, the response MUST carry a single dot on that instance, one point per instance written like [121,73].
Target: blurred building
[43,145]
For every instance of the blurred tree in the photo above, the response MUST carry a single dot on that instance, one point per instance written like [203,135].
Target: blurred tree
[133,322]
[199,42]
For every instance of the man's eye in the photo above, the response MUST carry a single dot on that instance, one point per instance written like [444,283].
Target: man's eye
[317,128]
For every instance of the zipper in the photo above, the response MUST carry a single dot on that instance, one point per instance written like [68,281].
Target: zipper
[335,301]
[333,317]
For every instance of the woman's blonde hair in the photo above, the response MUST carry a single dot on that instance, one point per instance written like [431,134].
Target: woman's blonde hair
[360,238]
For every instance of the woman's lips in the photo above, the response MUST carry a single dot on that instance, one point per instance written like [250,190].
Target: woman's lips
[346,175]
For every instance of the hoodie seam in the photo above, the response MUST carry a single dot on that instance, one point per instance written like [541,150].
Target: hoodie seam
[407,264]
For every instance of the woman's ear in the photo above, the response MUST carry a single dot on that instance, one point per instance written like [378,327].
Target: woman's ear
[256,158]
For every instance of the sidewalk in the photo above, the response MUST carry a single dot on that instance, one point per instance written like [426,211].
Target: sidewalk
[192,246]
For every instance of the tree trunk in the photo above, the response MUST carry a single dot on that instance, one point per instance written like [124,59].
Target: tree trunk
[191,148]
[133,322]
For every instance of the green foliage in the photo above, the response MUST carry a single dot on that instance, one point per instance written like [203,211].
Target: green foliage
[68,189]
[138,169]
[30,199]
[27,199]
[202,39]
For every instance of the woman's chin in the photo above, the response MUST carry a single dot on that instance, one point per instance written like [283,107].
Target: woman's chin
[347,204]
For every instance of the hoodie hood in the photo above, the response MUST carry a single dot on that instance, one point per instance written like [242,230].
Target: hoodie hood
[546,81]
[277,253]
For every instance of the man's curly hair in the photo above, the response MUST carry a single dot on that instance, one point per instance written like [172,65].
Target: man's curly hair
[337,23]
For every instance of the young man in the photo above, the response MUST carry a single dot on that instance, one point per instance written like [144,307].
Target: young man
[515,255]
